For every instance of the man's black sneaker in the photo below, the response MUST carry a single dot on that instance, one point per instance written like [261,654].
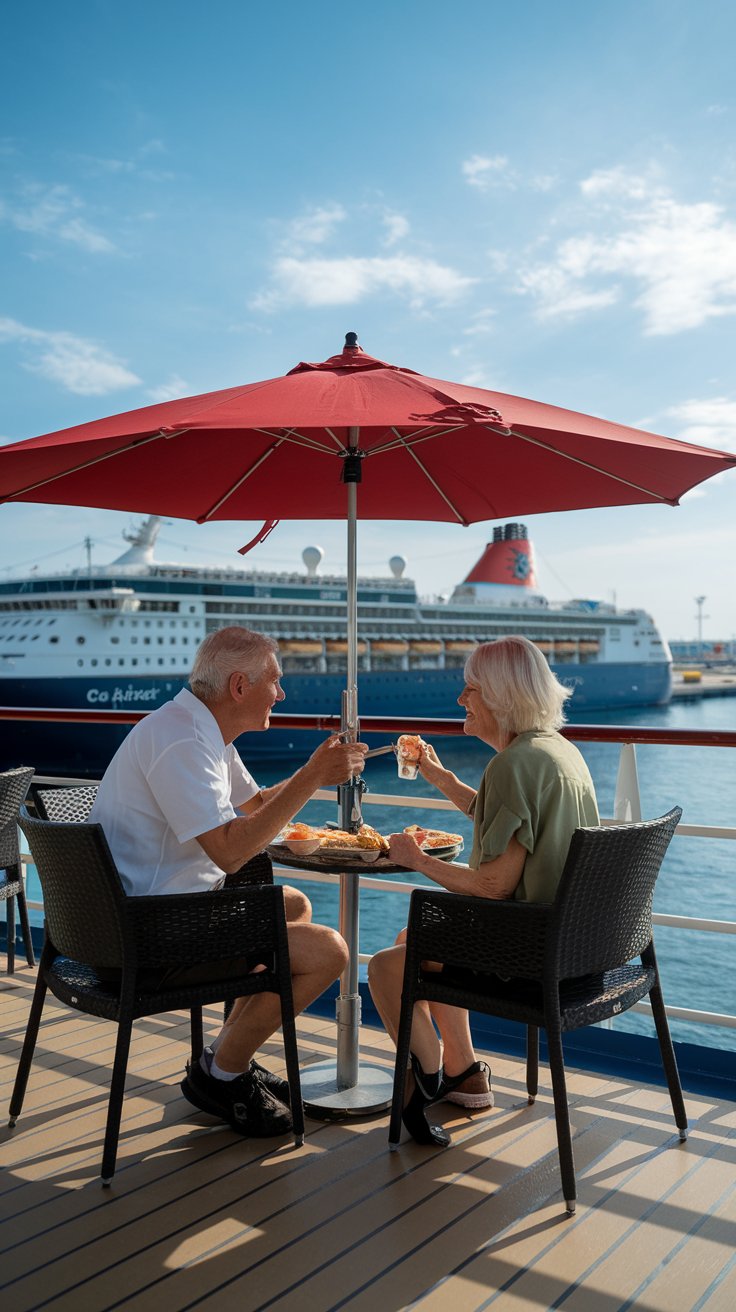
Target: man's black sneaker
[244,1102]
[274,1083]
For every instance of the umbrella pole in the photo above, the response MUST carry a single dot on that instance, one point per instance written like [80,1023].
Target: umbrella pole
[351,816]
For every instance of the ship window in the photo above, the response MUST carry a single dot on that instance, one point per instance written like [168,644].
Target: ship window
[173,641]
[115,638]
[108,661]
[134,640]
[160,660]
[146,641]
[80,662]
[121,662]
[54,637]
[134,661]
[191,610]
[81,640]
[34,637]
[93,661]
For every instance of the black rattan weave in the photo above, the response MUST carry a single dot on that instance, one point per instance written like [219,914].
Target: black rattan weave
[93,927]
[72,805]
[558,967]
[14,785]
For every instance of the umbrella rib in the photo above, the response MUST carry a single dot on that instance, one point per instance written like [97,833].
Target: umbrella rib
[202,519]
[87,464]
[587,464]
[298,439]
[461,518]
[422,435]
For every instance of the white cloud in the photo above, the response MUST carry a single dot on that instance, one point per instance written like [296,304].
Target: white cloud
[485,171]
[317,225]
[680,258]
[169,391]
[79,365]
[397,227]
[707,422]
[55,212]
[345,281]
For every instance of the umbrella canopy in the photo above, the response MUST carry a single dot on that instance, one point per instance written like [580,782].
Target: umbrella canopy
[427,450]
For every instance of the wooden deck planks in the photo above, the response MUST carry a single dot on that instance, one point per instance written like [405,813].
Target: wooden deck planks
[199,1218]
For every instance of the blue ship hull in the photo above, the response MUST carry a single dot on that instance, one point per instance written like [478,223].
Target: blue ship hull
[85,750]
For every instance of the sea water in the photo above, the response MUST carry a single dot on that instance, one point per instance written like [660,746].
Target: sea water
[698,877]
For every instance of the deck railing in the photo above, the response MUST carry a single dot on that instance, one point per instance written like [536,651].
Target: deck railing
[627,803]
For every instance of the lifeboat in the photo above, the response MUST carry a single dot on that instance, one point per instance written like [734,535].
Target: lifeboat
[589,645]
[300,647]
[544,645]
[339,647]
[565,648]
[390,647]
[420,647]
[462,647]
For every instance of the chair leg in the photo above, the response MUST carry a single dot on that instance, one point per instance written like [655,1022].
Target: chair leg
[291,1053]
[403,1045]
[669,1061]
[115,1104]
[10,933]
[197,1034]
[532,1062]
[26,929]
[29,1042]
[562,1118]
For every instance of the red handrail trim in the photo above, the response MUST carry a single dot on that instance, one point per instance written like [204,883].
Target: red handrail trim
[599,733]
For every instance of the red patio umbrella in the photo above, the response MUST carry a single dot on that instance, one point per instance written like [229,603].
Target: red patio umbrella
[419,447]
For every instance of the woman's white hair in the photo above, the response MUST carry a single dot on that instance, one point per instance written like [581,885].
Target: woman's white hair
[517,685]
[229,651]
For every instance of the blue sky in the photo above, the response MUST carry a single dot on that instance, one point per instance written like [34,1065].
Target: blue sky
[537,198]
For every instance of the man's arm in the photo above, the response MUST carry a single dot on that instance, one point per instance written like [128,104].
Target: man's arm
[232,844]
[495,879]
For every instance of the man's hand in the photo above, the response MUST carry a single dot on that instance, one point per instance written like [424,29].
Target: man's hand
[334,761]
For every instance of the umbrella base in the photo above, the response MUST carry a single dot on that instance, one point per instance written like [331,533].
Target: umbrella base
[324,1101]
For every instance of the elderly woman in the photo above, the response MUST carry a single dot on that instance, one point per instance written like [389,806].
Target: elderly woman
[534,793]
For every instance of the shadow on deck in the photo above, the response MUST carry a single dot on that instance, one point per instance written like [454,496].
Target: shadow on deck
[197,1217]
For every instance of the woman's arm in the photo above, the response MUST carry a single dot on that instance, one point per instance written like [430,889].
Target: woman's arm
[431,768]
[496,879]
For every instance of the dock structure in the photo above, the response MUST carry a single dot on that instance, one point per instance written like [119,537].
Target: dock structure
[712,683]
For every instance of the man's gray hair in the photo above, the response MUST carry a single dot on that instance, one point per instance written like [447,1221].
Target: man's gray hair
[229,651]
[517,685]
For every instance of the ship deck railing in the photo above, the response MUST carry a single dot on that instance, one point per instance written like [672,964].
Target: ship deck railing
[627,804]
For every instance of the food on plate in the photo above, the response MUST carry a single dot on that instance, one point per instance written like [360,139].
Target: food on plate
[429,838]
[366,838]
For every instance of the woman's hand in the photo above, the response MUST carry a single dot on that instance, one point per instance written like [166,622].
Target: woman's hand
[430,765]
[404,850]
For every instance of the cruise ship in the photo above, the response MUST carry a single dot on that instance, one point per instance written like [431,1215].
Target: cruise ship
[122,637]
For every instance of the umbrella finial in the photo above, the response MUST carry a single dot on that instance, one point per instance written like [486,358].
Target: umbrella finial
[351,342]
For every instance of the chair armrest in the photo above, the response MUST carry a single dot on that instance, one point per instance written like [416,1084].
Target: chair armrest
[192,927]
[478,933]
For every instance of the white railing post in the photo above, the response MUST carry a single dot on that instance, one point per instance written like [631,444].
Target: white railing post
[627,802]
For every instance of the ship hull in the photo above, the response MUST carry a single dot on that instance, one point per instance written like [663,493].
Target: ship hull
[85,750]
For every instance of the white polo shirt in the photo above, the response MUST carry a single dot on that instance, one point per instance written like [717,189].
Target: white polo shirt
[172,778]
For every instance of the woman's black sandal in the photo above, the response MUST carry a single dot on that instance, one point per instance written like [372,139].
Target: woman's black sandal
[427,1089]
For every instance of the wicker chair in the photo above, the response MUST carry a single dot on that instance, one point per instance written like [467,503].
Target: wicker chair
[14,785]
[71,805]
[92,926]
[566,965]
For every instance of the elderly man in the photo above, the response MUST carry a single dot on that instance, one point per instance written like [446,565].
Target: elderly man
[180,812]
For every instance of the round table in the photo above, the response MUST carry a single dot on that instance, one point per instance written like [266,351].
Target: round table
[347,1086]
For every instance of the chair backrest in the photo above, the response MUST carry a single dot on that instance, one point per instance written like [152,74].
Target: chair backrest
[14,785]
[602,914]
[82,892]
[71,805]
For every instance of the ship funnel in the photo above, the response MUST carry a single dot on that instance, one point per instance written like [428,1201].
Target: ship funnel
[504,575]
[312,557]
